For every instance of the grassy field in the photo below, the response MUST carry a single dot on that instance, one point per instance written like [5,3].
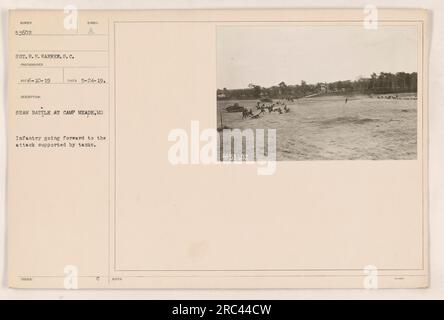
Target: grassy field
[327,128]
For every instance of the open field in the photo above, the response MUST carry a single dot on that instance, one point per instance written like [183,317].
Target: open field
[327,128]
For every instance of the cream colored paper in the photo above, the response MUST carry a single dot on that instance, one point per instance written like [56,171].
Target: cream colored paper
[113,212]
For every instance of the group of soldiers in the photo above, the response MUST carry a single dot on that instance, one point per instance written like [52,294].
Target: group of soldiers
[247,113]
[277,106]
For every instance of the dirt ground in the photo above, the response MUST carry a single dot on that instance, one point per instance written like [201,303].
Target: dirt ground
[327,128]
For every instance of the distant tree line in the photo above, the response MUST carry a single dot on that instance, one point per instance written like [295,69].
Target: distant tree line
[383,83]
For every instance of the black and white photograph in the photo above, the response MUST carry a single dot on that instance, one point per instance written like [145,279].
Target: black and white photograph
[331,92]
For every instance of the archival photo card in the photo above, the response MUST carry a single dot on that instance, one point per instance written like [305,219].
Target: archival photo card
[234,149]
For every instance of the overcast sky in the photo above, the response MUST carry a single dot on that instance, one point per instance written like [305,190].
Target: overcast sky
[268,55]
